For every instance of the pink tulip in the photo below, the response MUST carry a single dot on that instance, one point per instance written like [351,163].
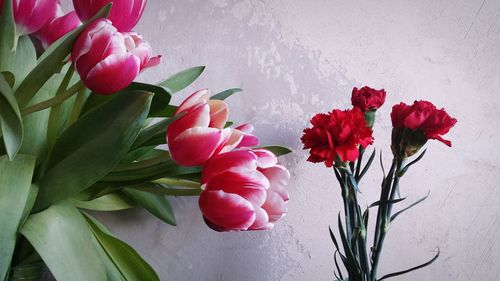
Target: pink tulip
[199,133]
[243,190]
[58,27]
[108,60]
[31,15]
[124,13]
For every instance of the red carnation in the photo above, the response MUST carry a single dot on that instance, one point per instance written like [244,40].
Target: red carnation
[423,117]
[337,136]
[367,98]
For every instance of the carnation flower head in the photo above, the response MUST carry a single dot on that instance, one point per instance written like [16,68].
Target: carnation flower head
[336,136]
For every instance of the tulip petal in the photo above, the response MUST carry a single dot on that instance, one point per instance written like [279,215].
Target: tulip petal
[274,206]
[226,210]
[218,113]
[237,161]
[261,220]
[112,74]
[197,97]
[195,146]
[278,177]
[249,185]
[197,116]
[265,158]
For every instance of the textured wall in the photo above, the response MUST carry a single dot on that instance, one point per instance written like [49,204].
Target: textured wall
[294,58]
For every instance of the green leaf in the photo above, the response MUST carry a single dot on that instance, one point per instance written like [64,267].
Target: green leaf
[92,147]
[51,61]
[108,202]
[64,241]
[20,62]
[367,166]
[352,263]
[157,129]
[161,98]
[161,189]
[7,33]
[182,79]
[403,171]
[410,206]
[128,262]
[225,94]
[386,202]
[157,205]
[277,150]
[10,119]
[15,182]
[411,269]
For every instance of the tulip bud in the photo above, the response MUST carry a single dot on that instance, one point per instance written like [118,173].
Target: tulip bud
[31,15]
[243,190]
[199,133]
[107,60]
[124,14]
[58,27]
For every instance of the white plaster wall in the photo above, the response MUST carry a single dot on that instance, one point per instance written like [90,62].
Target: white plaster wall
[294,58]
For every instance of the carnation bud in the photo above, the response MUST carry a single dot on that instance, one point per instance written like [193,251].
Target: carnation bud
[405,142]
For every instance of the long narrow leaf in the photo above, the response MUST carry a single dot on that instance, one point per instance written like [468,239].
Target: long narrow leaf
[277,149]
[64,241]
[92,147]
[128,262]
[385,202]
[225,94]
[182,79]
[403,171]
[157,205]
[11,122]
[393,217]
[341,277]
[108,202]
[7,32]
[410,269]
[367,166]
[353,265]
[15,182]
[51,61]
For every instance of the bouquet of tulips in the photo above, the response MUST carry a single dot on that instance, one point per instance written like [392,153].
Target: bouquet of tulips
[339,140]
[77,134]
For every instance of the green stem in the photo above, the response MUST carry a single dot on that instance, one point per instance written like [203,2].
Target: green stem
[53,101]
[178,182]
[81,98]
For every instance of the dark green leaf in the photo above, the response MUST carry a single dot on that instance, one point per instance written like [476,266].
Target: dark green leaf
[63,239]
[161,189]
[51,61]
[11,122]
[410,206]
[386,202]
[225,94]
[411,269]
[228,124]
[352,263]
[157,129]
[157,205]
[336,263]
[367,166]
[182,79]
[7,33]
[277,150]
[403,171]
[15,182]
[92,147]
[161,98]
[129,263]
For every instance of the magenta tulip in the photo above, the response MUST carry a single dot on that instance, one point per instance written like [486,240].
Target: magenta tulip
[199,133]
[58,27]
[108,60]
[31,15]
[124,13]
[243,190]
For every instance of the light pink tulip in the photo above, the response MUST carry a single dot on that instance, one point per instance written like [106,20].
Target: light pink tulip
[199,133]
[58,27]
[108,60]
[124,13]
[243,190]
[31,15]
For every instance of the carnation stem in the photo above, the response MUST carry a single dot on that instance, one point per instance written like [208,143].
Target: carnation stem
[53,101]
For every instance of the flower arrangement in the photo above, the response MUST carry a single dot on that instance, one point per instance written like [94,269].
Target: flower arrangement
[339,140]
[79,134]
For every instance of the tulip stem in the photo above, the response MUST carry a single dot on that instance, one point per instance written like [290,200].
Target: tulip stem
[81,98]
[178,182]
[53,101]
